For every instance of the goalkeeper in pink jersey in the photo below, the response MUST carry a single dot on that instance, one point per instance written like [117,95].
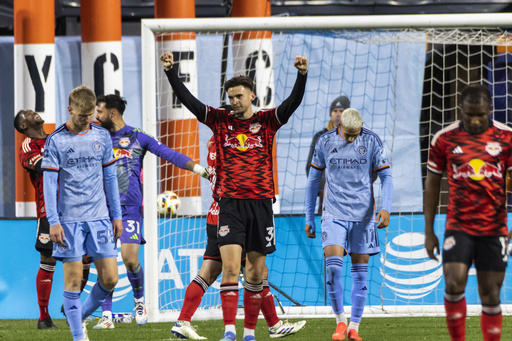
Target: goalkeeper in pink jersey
[211,269]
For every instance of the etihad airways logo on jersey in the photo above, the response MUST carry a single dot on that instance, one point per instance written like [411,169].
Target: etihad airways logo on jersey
[120,153]
[477,170]
[348,161]
[83,161]
[243,142]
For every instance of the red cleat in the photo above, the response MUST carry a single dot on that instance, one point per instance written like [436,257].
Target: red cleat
[341,332]
[352,335]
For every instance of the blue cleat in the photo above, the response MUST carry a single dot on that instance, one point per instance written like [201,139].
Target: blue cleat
[229,336]
[249,338]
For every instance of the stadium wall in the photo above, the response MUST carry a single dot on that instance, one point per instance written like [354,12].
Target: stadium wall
[296,268]
[310,117]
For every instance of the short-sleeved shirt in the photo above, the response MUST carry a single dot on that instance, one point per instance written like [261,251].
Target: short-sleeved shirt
[130,146]
[476,168]
[244,153]
[348,193]
[79,159]
[31,153]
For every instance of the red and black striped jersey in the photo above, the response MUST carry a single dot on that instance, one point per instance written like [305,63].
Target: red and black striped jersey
[244,153]
[476,167]
[31,155]
[213,214]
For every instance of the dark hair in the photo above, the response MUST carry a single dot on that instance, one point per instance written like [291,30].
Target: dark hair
[18,120]
[113,102]
[239,80]
[473,93]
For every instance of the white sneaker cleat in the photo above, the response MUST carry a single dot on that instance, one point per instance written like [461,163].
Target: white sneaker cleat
[105,322]
[141,315]
[84,330]
[183,330]
[286,328]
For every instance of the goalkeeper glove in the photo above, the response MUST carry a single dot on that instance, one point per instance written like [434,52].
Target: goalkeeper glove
[198,169]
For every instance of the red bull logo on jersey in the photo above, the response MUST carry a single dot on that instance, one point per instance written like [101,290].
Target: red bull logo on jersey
[124,142]
[477,170]
[120,153]
[493,148]
[243,142]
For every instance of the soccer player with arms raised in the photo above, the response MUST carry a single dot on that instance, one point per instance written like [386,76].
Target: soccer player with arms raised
[79,177]
[244,184]
[349,155]
[476,153]
[211,268]
[130,146]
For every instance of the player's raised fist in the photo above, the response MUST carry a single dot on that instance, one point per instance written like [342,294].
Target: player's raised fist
[167,60]
[301,63]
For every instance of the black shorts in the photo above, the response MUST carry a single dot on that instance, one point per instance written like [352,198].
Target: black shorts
[247,222]
[488,253]
[212,251]
[43,243]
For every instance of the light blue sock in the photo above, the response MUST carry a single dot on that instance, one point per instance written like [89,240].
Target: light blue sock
[73,310]
[334,265]
[94,300]
[359,291]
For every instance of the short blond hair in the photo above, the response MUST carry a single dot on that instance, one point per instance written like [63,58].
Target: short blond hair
[82,99]
[351,119]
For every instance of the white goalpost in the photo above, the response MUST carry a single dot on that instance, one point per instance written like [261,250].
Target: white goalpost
[402,72]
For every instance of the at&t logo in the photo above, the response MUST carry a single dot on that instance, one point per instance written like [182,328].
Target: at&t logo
[406,268]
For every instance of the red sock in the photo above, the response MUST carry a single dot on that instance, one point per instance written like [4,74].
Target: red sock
[229,299]
[268,308]
[491,326]
[456,319]
[44,282]
[252,304]
[85,276]
[193,296]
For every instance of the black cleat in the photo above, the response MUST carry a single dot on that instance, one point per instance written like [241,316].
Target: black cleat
[47,323]
[62,310]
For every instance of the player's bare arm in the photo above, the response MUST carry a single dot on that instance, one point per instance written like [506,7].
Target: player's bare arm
[167,60]
[310,232]
[301,63]
[383,219]
[430,202]
[57,234]
[118,228]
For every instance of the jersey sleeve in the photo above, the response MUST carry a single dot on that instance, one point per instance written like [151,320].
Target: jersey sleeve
[161,150]
[30,155]
[108,152]
[436,157]
[318,160]
[50,156]
[379,155]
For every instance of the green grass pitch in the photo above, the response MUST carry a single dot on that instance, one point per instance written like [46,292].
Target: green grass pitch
[371,329]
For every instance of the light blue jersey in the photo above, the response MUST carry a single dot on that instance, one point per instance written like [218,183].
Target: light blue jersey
[348,193]
[79,160]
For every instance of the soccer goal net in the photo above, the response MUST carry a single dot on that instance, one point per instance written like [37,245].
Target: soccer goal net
[403,73]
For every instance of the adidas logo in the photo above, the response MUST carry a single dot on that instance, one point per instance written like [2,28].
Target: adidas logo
[364,288]
[334,151]
[257,296]
[370,246]
[457,150]
[230,293]
[70,150]
[134,237]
